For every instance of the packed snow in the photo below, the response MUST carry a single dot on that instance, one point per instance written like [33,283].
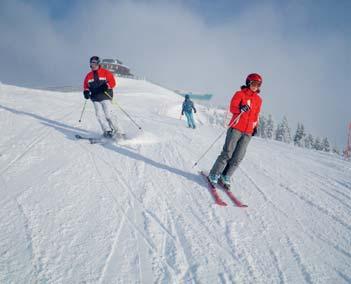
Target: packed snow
[135,211]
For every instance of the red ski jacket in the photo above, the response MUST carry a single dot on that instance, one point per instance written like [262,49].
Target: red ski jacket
[94,81]
[248,120]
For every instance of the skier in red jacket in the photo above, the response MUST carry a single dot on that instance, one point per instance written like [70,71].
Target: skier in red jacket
[245,107]
[98,85]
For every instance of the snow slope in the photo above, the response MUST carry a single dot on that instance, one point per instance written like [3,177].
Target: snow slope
[137,212]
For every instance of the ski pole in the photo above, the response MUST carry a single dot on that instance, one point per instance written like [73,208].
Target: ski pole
[214,142]
[80,119]
[132,120]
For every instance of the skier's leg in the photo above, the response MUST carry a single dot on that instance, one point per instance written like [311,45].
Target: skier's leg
[192,120]
[100,116]
[238,155]
[230,143]
[187,118]
[107,107]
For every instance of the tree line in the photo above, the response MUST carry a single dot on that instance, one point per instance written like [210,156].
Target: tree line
[268,129]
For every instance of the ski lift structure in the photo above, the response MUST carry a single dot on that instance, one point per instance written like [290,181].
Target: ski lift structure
[196,96]
[116,67]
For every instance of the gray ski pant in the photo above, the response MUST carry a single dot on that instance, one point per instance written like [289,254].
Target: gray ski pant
[233,152]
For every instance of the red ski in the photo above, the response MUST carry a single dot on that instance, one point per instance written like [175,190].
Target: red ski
[213,191]
[236,201]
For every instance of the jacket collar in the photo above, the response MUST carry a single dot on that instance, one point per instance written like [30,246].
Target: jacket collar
[249,92]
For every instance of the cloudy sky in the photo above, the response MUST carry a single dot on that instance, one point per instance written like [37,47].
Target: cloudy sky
[302,48]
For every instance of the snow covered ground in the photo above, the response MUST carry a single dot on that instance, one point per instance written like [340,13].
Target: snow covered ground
[136,212]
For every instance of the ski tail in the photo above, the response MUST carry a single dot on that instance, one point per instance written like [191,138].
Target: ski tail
[236,201]
[230,194]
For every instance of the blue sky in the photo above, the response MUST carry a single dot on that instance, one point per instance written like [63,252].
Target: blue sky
[302,48]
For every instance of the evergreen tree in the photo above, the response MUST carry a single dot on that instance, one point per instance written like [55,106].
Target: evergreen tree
[302,133]
[325,145]
[317,145]
[286,130]
[299,135]
[283,131]
[270,127]
[308,141]
[336,150]
[262,124]
[279,133]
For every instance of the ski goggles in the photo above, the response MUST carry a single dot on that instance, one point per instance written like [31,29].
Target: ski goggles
[255,84]
[94,63]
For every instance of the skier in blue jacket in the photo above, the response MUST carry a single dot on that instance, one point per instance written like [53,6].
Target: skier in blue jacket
[187,109]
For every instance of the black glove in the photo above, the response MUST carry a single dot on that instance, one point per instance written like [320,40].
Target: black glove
[110,92]
[194,110]
[244,108]
[86,94]
[254,132]
[182,112]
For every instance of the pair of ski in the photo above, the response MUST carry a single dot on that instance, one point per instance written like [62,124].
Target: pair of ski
[217,198]
[92,140]
[97,140]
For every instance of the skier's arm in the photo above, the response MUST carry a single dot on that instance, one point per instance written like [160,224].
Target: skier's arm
[111,82]
[85,84]
[183,108]
[235,103]
[192,105]
[86,91]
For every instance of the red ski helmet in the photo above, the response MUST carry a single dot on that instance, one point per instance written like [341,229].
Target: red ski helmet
[253,77]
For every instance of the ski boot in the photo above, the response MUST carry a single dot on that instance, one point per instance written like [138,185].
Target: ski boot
[108,134]
[213,178]
[224,180]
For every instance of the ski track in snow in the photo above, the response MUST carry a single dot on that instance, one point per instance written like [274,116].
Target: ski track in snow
[113,248]
[306,231]
[136,212]
[38,138]
[291,245]
[35,263]
[132,222]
